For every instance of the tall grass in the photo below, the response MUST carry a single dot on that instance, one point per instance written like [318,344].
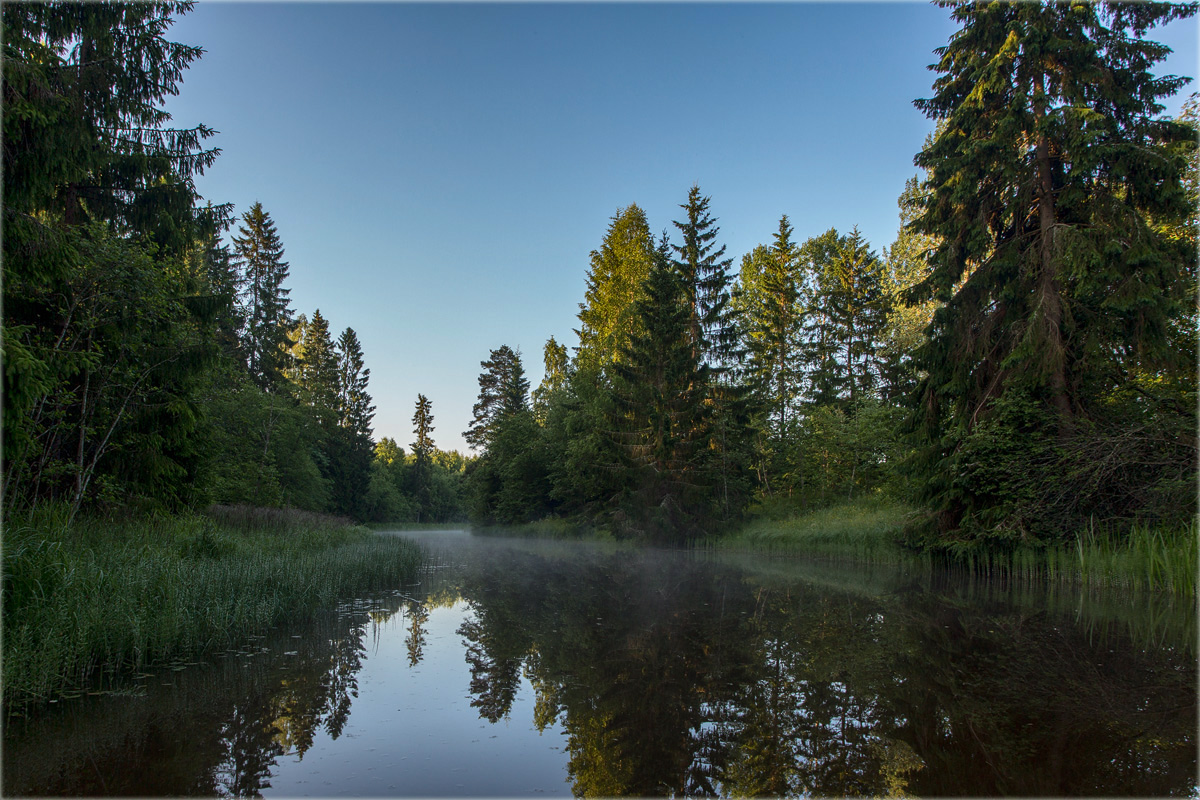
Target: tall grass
[865,532]
[1140,558]
[88,601]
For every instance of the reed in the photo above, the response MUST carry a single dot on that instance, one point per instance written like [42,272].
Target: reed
[86,603]
[1141,558]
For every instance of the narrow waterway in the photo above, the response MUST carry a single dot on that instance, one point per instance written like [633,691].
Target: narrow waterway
[527,668]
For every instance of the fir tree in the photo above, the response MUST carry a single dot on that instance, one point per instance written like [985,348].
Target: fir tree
[423,450]
[314,369]
[556,363]
[855,309]
[503,390]
[706,282]
[1046,188]
[259,255]
[661,417]
[614,283]
[769,301]
[355,411]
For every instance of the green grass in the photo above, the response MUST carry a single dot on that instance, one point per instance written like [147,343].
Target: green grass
[864,531]
[86,603]
[1139,558]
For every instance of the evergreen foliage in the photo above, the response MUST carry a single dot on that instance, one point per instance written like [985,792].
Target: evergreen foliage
[662,422]
[1046,190]
[706,283]
[614,282]
[258,253]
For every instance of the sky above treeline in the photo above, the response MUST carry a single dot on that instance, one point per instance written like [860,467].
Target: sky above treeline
[439,173]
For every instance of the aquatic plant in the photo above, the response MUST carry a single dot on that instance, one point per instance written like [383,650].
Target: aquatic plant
[87,602]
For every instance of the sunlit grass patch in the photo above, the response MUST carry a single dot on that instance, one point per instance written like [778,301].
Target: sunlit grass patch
[864,531]
[97,598]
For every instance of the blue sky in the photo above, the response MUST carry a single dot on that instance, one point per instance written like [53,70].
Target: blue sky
[439,173]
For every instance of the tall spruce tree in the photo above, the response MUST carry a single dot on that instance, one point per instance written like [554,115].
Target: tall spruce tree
[661,422]
[706,283]
[422,449]
[855,306]
[99,211]
[556,363]
[503,390]
[355,411]
[258,253]
[1046,189]
[314,367]
[769,301]
[614,283]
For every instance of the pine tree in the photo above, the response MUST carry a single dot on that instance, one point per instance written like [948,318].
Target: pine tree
[355,411]
[1045,189]
[259,256]
[614,283]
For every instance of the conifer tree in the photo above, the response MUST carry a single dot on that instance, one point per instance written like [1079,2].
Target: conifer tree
[614,283]
[503,390]
[906,266]
[100,347]
[661,418]
[1045,189]
[706,282]
[556,363]
[855,306]
[259,256]
[314,369]
[355,411]
[422,449]
[769,299]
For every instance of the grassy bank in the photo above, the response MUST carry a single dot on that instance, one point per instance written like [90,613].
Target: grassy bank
[1141,558]
[87,602]
[865,531]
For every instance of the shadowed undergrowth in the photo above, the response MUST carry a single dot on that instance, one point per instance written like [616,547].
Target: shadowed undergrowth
[87,602]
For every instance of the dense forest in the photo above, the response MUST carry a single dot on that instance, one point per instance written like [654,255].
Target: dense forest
[152,356]
[1019,363]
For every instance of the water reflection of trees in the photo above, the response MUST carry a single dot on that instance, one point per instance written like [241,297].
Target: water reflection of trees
[217,730]
[673,676]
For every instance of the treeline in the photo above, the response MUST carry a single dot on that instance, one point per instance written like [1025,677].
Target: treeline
[148,362]
[1020,363]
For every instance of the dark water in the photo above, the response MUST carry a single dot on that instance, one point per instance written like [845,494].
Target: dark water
[519,668]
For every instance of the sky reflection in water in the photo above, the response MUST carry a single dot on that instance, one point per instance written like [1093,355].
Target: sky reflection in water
[522,668]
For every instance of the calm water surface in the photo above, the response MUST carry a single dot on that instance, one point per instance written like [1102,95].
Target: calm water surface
[525,668]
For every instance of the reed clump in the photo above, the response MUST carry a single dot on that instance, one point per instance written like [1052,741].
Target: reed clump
[1141,557]
[87,602]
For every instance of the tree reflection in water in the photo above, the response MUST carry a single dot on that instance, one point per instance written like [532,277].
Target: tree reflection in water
[214,730]
[674,676]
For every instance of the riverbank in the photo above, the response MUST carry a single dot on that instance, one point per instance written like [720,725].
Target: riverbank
[868,531]
[87,603]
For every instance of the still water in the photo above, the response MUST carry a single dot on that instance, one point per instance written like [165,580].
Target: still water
[526,668]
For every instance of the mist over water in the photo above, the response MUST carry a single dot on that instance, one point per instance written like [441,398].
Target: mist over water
[525,668]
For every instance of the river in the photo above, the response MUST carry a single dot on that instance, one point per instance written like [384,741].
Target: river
[527,668]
